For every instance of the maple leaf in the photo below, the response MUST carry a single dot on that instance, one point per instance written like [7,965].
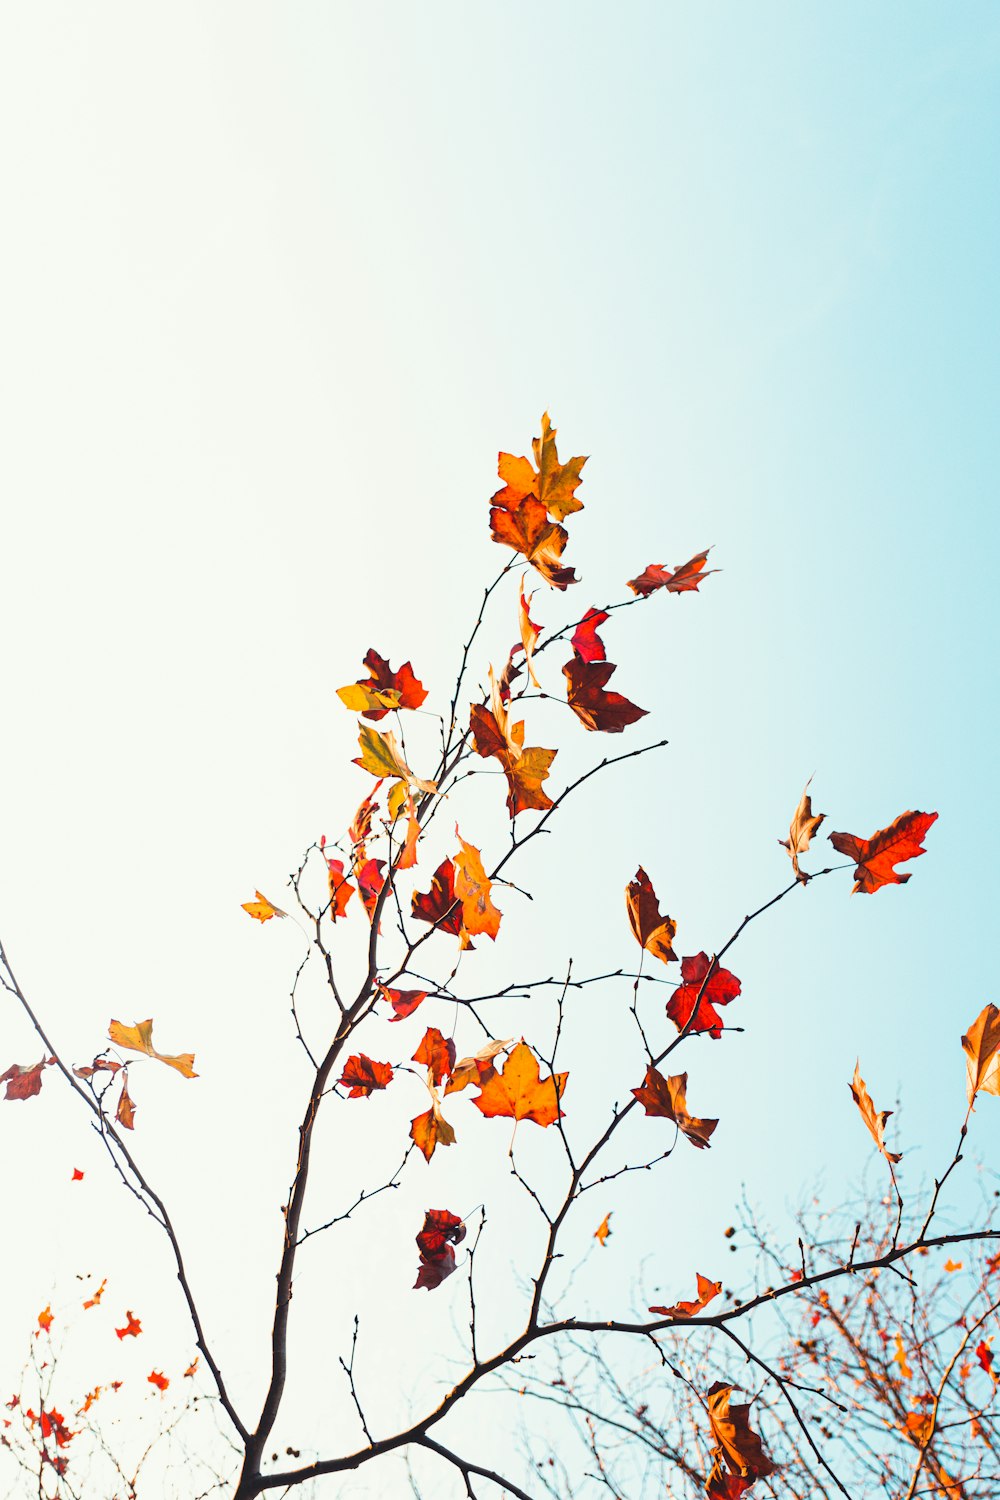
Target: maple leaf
[77,1175]
[403,1002]
[440,905]
[586,643]
[95,1300]
[737,1444]
[125,1112]
[981,1043]
[431,1129]
[53,1424]
[262,910]
[707,1292]
[363,1076]
[441,1232]
[132,1328]
[437,1055]
[682,580]
[876,857]
[529,531]
[554,484]
[874,1120]
[370,882]
[24,1083]
[653,931]
[139,1038]
[525,767]
[596,709]
[473,888]
[519,1093]
[340,888]
[984,1354]
[160,1381]
[668,1097]
[192,1367]
[383,689]
[478,1068]
[603,1231]
[407,856]
[529,631]
[720,988]
[382,756]
[45,1318]
[803,827]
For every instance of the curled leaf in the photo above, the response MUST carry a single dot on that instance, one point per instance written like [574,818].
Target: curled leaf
[981,1044]
[667,1097]
[875,1120]
[653,931]
[263,910]
[803,828]
[877,857]
[139,1038]
[707,1292]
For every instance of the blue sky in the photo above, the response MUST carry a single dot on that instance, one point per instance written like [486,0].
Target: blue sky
[280,284]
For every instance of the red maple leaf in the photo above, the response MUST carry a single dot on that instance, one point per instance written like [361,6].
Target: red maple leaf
[403,1002]
[721,987]
[370,882]
[382,678]
[437,1055]
[442,1230]
[682,580]
[341,889]
[132,1328]
[593,706]
[160,1381]
[363,1076]
[887,847]
[440,906]
[585,641]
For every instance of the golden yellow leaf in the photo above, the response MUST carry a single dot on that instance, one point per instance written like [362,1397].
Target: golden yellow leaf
[982,1046]
[382,756]
[359,698]
[263,910]
[139,1038]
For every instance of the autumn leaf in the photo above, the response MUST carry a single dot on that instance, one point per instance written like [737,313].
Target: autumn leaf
[403,1002]
[383,689]
[529,531]
[100,1065]
[519,1093]
[899,1358]
[340,888]
[874,1120]
[160,1381]
[682,580]
[440,905]
[45,1318]
[437,1055]
[407,856]
[478,1068]
[263,910]
[363,1077]
[698,997]
[877,857]
[551,482]
[139,1038]
[382,756]
[803,827]
[431,1129]
[737,1444]
[984,1355]
[441,1232]
[192,1367]
[667,1097]
[597,709]
[586,643]
[722,1484]
[24,1083]
[473,888]
[981,1043]
[370,882]
[361,823]
[603,1231]
[89,1400]
[125,1112]
[95,1300]
[653,931]
[707,1292]
[525,767]
[529,631]
[132,1328]
[952,1265]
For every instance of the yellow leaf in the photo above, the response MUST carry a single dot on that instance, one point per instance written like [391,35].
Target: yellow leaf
[263,910]
[982,1045]
[139,1038]
[381,755]
[359,698]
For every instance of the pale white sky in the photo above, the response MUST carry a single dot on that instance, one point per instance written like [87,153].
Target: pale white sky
[279,282]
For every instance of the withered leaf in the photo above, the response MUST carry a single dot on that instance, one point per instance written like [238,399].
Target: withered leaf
[139,1038]
[682,580]
[383,689]
[551,482]
[125,1112]
[738,1445]
[707,1292]
[524,767]
[803,827]
[877,857]
[981,1044]
[874,1119]
[518,1092]
[403,1002]
[431,1129]
[441,1232]
[609,713]
[653,931]
[340,888]
[437,1053]
[473,888]
[24,1083]
[668,1097]
[362,1076]
[477,1068]
[263,910]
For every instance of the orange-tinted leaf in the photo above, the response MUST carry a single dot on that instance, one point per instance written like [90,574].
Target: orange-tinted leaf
[361,824]
[192,1367]
[984,1354]
[877,857]
[707,1292]
[340,888]
[139,1038]
[524,768]
[597,709]
[24,1083]
[382,680]
[431,1129]
[653,931]
[529,631]
[738,1445]
[362,1076]
[125,1112]
[403,1002]
[440,905]
[952,1265]
[585,641]
[803,827]
[160,1381]
[441,1232]
[407,856]
[519,1093]
[100,1065]
[89,1400]
[981,1044]
[874,1119]
[899,1358]
[682,580]
[45,1318]
[263,910]
[477,1068]
[551,482]
[668,1097]
[603,1231]
[723,1484]
[95,1300]
[473,888]
[382,756]
[720,988]
[529,531]
[132,1328]
[77,1175]
[370,882]
[437,1054]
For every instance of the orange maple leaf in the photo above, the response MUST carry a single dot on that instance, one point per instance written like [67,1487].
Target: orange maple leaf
[193,1366]
[653,931]
[554,484]
[700,996]
[519,1092]
[603,1231]
[403,1002]
[431,1129]
[668,1097]
[132,1328]
[529,531]
[125,1112]
[45,1318]
[363,1077]
[263,910]
[95,1300]
[340,888]
[525,767]
[440,905]
[597,709]
[707,1292]
[139,1038]
[160,1381]
[383,689]
[876,857]
[682,580]
[738,1446]
[473,888]
[437,1054]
